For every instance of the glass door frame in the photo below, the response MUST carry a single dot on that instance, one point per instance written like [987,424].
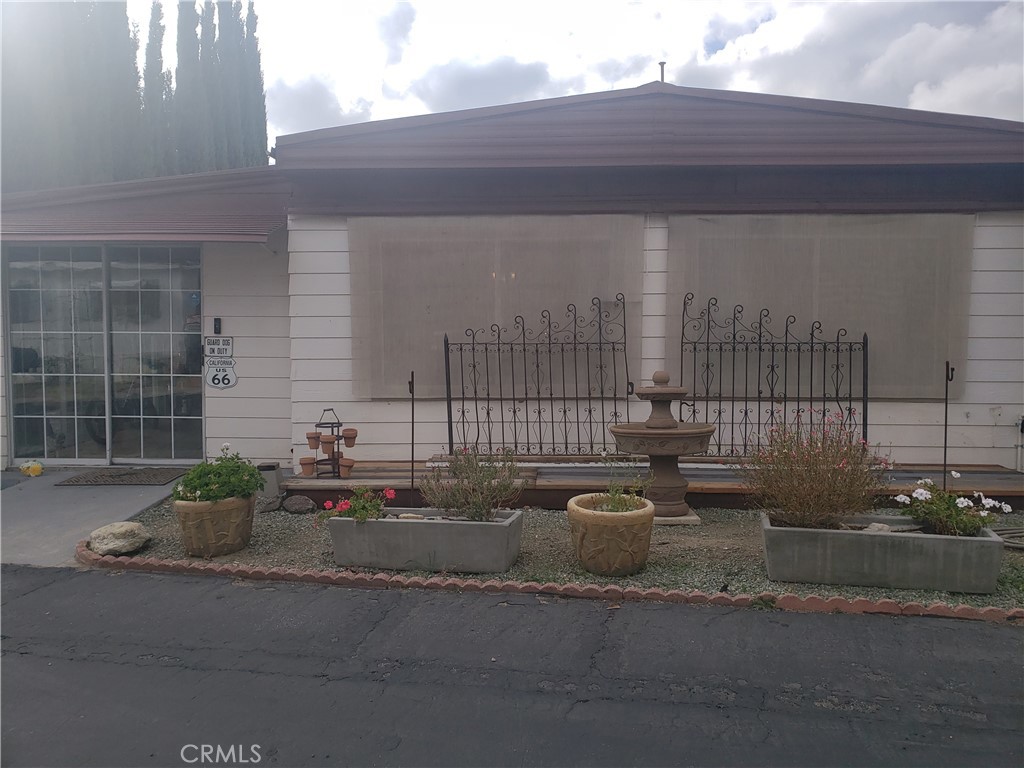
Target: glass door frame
[108,374]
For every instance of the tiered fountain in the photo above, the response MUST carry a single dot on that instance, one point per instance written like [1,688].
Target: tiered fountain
[664,440]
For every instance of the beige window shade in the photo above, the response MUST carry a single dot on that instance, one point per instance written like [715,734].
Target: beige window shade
[416,278]
[904,280]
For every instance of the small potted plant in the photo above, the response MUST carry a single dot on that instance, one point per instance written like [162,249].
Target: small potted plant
[214,502]
[611,530]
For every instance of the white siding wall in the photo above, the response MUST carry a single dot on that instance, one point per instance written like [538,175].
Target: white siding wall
[982,422]
[5,431]
[321,367]
[246,285]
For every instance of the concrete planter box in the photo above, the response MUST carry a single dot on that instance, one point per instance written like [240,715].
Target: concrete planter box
[431,544]
[896,560]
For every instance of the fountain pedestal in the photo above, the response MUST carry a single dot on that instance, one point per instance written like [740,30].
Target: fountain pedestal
[664,440]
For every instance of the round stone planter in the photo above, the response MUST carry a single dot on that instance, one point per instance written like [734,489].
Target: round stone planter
[610,543]
[212,528]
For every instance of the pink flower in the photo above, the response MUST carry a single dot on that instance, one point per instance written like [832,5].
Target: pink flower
[344,505]
[389,494]
[328,505]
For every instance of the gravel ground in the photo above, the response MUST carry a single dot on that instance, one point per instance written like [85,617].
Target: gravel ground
[722,554]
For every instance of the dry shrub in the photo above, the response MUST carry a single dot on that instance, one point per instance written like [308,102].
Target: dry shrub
[813,477]
[475,484]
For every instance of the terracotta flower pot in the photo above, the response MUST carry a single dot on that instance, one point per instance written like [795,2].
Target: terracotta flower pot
[610,543]
[211,528]
[345,467]
[327,443]
[313,439]
[349,435]
[308,464]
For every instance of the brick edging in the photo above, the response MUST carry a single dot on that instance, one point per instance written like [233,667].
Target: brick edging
[785,602]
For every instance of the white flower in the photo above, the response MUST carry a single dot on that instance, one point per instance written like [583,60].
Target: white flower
[902,499]
[983,513]
[964,503]
[226,447]
[922,494]
[989,503]
[1007,509]
[926,481]
[955,474]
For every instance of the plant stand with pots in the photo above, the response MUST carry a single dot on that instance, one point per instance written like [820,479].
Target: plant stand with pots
[610,543]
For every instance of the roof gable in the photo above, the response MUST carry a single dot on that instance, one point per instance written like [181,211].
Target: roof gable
[660,125]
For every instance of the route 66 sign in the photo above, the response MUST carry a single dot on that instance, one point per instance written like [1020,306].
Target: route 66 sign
[221,378]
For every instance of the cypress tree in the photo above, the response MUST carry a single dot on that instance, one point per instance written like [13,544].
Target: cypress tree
[230,43]
[190,116]
[74,110]
[210,71]
[155,103]
[254,110]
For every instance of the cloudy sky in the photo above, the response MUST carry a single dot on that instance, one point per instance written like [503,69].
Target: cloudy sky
[334,62]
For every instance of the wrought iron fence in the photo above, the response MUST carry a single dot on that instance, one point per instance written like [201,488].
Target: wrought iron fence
[550,391]
[745,378]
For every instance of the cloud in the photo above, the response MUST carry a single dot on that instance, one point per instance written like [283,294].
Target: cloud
[953,57]
[696,74]
[394,30]
[462,85]
[614,70]
[721,31]
[998,96]
[308,105]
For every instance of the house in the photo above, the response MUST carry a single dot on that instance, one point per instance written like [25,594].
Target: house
[337,272]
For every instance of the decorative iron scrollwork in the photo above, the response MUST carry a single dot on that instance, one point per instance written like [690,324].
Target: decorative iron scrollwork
[552,390]
[746,378]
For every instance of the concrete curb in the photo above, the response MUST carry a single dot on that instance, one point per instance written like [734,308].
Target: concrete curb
[785,602]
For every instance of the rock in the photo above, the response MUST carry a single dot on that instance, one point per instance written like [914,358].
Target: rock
[878,528]
[299,505]
[410,516]
[268,503]
[118,539]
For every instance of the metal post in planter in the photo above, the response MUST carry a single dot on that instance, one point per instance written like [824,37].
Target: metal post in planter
[945,421]
[412,430]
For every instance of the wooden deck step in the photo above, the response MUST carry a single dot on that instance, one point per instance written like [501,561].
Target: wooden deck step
[711,482]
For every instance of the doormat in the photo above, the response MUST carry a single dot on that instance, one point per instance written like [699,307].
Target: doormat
[126,476]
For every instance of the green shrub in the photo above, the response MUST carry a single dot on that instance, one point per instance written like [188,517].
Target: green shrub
[623,494]
[225,476]
[948,514]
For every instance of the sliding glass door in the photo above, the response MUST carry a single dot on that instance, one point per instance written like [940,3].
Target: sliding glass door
[105,352]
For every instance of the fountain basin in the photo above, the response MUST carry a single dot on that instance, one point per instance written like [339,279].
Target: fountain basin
[683,440]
